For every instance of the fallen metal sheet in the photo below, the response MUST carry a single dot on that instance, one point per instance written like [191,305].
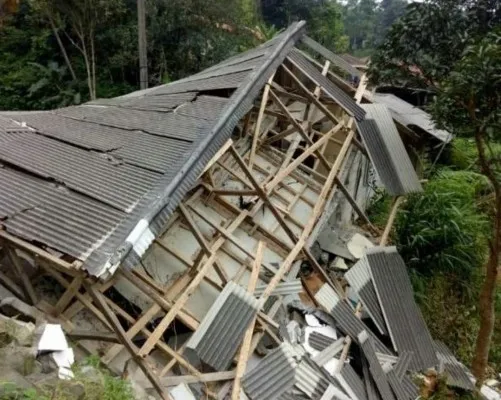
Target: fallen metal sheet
[318,341]
[273,376]
[329,352]
[282,289]
[402,364]
[351,383]
[370,385]
[409,116]
[405,323]
[387,151]
[410,387]
[219,335]
[333,91]
[359,278]
[309,381]
[368,349]
[334,393]
[345,317]
[455,371]
[397,387]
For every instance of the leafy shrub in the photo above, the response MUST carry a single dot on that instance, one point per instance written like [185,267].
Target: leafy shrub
[442,230]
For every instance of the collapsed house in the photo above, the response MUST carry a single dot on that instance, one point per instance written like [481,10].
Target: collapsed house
[180,222]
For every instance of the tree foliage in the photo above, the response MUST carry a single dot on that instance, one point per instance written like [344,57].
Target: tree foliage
[422,47]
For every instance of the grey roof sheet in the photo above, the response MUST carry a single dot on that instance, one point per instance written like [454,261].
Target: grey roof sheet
[273,376]
[407,328]
[319,341]
[47,213]
[368,349]
[333,91]
[352,383]
[310,381]
[387,151]
[134,156]
[359,278]
[455,371]
[370,385]
[222,330]
[397,386]
[409,115]
[329,55]
[345,317]
[329,352]
[282,289]
[402,365]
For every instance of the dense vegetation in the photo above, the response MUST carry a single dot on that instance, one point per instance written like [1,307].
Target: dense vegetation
[61,52]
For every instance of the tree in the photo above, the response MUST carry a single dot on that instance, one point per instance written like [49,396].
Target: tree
[469,104]
[85,17]
[360,18]
[422,47]
[389,12]
[449,48]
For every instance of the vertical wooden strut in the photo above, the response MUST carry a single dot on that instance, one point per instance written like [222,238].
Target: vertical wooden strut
[246,344]
[100,301]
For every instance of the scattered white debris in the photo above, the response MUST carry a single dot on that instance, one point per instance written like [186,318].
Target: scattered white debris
[53,340]
[311,320]
[182,392]
[490,394]
[358,245]
[340,263]
[294,331]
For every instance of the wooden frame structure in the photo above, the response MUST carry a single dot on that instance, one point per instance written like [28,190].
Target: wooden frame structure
[248,220]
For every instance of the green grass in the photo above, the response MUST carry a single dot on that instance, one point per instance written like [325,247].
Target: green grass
[107,387]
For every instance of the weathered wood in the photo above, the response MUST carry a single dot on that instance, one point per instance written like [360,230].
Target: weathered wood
[187,379]
[183,298]
[259,121]
[233,192]
[217,156]
[391,220]
[99,299]
[69,294]
[93,335]
[27,288]
[12,286]
[194,228]
[247,341]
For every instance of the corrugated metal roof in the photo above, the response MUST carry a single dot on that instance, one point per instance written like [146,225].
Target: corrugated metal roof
[407,328]
[282,289]
[328,353]
[344,316]
[359,278]
[309,381]
[318,341]
[409,115]
[456,373]
[220,333]
[351,383]
[274,375]
[410,387]
[367,346]
[329,55]
[370,385]
[136,155]
[120,186]
[396,386]
[43,212]
[333,91]
[387,151]
[402,365]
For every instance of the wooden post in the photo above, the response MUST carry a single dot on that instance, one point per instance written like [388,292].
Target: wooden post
[18,267]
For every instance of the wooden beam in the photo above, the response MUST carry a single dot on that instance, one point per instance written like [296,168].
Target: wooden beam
[27,288]
[203,378]
[184,297]
[287,132]
[99,299]
[233,192]
[247,341]
[259,121]
[69,294]
[93,335]
[391,219]
[217,156]
[194,228]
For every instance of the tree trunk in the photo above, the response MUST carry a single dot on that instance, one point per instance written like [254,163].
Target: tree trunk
[93,61]
[62,48]
[487,295]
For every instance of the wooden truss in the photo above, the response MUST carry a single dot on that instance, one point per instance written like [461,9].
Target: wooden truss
[248,220]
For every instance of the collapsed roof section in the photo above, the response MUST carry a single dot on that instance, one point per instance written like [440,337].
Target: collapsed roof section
[129,161]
